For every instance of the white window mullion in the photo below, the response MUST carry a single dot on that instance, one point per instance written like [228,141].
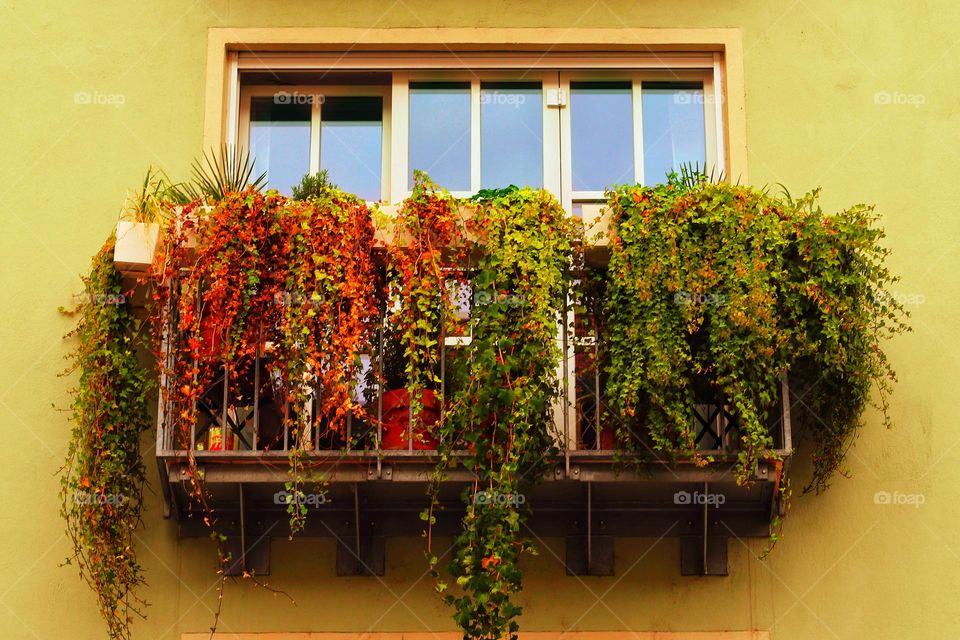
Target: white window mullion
[552,180]
[718,140]
[638,131]
[315,135]
[233,99]
[399,137]
[475,134]
[566,150]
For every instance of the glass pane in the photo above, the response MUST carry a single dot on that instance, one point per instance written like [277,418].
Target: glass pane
[601,122]
[511,135]
[280,140]
[440,133]
[351,143]
[673,130]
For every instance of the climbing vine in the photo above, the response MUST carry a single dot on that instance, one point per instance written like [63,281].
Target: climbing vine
[290,283]
[102,481]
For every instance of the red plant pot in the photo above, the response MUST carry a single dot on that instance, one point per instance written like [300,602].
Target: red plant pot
[396,421]
[608,439]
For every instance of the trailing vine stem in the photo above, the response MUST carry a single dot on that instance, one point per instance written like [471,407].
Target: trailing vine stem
[500,416]
[101,486]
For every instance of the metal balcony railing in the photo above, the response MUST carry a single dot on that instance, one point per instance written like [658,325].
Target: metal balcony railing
[241,416]
[373,476]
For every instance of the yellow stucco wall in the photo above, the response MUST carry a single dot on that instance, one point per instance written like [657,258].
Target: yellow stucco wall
[848,568]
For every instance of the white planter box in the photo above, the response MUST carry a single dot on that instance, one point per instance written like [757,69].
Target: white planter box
[388,212]
[596,221]
[136,244]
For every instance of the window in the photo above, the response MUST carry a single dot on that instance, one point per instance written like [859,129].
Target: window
[511,134]
[280,140]
[601,131]
[351,143]
[439,128]
[673,122]
[575,132]
[300,129]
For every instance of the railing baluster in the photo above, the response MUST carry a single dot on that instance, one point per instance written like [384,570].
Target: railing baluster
[596,392]
[256,392]
[565,372]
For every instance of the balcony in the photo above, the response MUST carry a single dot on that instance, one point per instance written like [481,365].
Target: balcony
[374,476]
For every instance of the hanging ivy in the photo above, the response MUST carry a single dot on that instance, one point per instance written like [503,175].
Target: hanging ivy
[730,288]
[102,480]
[289,281]
[429,246]
[503,412]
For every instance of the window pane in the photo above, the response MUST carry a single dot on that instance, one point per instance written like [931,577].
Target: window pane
[440,133]
[673,130]
[280,141]
[351,143]
[601,122]
[511,135]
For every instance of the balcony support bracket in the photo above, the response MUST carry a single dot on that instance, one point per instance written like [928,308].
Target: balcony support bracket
[590,554]
[245,553]
[364,554]
[704,554]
